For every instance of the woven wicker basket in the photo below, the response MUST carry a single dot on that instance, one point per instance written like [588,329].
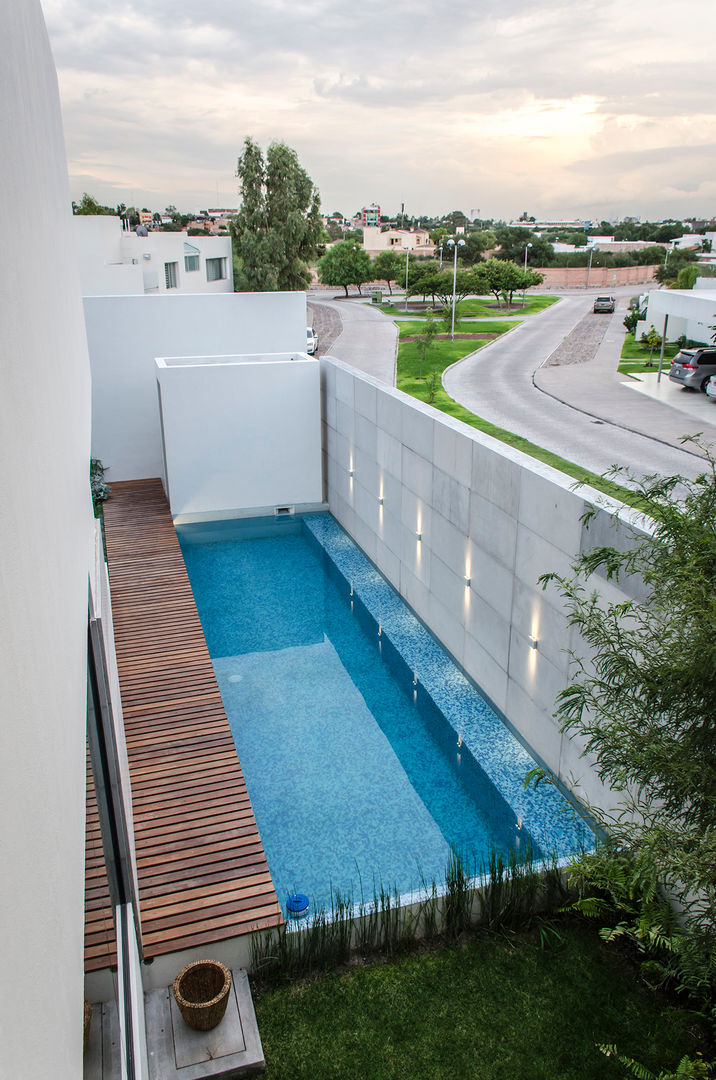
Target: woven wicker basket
[201,991]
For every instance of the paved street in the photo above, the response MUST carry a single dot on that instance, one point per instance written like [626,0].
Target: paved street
[367,339]
[577,407]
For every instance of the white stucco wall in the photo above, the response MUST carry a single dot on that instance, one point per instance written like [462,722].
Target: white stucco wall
[153,251]
[485,512]
[46,532]
[241,434]
[126,334]
[691,312]
[117,262]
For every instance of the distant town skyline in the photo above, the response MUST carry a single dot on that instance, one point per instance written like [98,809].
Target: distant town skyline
[594,110]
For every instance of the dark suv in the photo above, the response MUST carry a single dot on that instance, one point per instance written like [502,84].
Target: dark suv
[693,367]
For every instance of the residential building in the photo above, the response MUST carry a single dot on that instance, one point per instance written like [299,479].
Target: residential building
[416,240]
[370,215]
[115,261]
[690,312]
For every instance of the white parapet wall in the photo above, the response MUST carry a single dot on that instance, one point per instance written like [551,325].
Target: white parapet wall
[242,434]
[436,504]
[126,334]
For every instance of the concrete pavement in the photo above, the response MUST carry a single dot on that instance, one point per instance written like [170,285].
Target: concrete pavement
[665,413]
[367,338]
[579,410]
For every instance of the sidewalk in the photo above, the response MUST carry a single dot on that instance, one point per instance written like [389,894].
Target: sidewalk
[664,412]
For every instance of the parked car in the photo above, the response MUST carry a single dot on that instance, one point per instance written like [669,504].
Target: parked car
[693,367]
[311,340]
[711,387]
[604,303]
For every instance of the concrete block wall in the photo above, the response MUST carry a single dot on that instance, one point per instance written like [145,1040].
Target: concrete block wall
[483,512]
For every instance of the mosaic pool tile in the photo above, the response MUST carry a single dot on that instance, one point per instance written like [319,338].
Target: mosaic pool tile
[551,819]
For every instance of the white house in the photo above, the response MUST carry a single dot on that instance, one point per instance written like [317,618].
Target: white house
[416,240]
[116,262]
[690,312]
[463,527]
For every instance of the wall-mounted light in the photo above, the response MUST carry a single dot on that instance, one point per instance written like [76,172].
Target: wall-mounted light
[419,536]
[467,581]
[351,472]
[415,678]
[534,642]
[380,500]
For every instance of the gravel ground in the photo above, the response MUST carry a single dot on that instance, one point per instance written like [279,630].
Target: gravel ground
[326,322]
[582,343]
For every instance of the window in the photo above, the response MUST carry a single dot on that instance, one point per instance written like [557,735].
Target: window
[215,269]
[170,275]
[191,262]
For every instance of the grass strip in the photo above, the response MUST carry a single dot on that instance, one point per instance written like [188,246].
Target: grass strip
[637,357]
[444,353]
[500,1007]
[479,307]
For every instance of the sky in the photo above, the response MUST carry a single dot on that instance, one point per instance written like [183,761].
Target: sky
[584,109]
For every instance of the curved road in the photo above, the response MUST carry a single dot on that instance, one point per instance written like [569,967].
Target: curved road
[580,408]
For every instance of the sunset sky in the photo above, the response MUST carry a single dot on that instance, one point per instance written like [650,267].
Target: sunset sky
[585,109]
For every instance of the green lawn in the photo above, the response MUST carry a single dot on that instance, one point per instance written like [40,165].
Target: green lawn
[635,357]
[409,327]
[482,307]
[498,1008]
[442,355]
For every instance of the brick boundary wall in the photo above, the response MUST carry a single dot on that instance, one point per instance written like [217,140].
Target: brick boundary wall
[600,277]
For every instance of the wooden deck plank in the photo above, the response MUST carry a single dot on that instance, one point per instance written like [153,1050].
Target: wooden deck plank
[201,866]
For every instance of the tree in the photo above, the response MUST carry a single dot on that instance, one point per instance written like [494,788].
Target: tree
[644,706]
[439,284]
[278,226]
[503,279]
[425,338]
[677,260]
[475,244]
[387,267]
[345,263]
[651,341]
[89,205]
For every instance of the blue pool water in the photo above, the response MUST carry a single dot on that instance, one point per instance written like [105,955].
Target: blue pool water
[367,754]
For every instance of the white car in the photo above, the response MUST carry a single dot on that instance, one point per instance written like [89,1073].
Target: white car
[710,387]
[311,340]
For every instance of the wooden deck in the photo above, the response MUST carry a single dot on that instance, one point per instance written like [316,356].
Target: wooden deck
[202,870]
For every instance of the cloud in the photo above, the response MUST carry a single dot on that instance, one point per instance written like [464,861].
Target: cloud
[536,105]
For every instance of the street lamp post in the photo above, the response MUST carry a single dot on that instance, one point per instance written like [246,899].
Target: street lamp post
[407,257]
[589,268]
[524,284]
[454,245]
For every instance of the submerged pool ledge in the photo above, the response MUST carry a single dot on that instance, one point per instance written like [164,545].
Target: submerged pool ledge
[552,820]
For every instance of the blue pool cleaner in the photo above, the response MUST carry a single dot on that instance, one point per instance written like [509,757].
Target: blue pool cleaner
[297,905]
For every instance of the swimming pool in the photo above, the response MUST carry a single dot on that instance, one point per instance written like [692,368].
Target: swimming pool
[367,753]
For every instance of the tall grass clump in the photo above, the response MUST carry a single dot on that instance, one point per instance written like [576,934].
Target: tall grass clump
[505,893]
